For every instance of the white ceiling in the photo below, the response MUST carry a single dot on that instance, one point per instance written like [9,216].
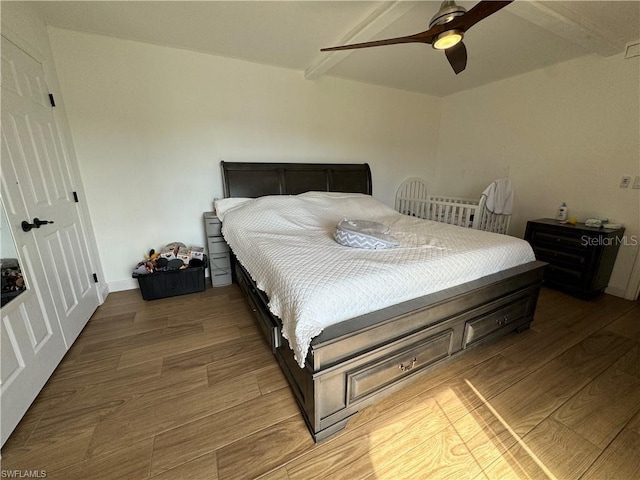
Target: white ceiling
[524,36]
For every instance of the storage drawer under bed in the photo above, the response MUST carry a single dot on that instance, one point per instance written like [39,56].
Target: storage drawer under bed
[411,356]
[505,317]
[269,328]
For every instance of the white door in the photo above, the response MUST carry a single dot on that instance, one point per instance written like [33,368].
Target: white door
[41,324]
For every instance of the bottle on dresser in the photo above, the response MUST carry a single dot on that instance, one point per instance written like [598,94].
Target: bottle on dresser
[561,216]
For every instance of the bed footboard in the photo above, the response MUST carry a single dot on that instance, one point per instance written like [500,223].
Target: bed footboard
[357,362]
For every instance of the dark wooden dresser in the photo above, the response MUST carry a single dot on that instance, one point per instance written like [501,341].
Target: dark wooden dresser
[580,258]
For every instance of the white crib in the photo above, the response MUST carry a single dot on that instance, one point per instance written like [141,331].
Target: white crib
[412,198]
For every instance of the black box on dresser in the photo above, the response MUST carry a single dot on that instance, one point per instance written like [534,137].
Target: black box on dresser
[580,258]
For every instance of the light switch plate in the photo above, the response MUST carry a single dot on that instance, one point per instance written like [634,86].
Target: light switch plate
[636,182]
[624,181]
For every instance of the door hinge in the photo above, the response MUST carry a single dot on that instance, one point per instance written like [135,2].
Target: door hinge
[52,100]
[75,197]
[95,278]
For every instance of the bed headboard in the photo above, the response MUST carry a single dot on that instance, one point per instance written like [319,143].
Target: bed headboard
[241,179]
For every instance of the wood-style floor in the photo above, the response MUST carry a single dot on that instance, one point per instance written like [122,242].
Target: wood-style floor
[185,388]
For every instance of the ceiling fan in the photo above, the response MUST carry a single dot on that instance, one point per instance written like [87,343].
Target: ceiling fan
[446,29]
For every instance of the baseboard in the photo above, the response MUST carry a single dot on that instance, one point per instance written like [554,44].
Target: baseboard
[615,291]
[120,285]
[103,292]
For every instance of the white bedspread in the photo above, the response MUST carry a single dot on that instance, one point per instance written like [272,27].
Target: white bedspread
[286,245]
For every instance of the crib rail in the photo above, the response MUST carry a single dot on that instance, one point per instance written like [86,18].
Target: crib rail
[412,199]
[452,210]
[493,222]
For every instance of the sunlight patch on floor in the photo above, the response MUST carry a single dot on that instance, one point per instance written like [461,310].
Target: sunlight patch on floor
[517,437]
[453,433]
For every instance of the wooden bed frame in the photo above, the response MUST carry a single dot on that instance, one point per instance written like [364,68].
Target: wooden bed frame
[357,362]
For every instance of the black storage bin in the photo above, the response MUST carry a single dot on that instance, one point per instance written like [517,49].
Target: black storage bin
[171,283]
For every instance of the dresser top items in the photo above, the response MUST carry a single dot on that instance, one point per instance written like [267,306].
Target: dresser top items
[579,227]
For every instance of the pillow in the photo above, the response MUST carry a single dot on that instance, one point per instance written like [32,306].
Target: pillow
[222,205]
[363,234]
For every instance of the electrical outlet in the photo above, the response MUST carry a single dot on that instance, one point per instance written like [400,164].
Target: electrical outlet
[624,182]
[636,182]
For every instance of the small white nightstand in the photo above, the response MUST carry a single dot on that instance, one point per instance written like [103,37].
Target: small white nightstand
[219,258]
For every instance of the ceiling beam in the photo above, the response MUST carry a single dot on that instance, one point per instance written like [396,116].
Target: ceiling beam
[562,20]
[374,23]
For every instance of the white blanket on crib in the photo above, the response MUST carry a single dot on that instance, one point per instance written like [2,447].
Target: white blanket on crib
[500,196]
[286,244]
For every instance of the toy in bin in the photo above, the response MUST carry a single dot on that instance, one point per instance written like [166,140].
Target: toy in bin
[170,251]
[196,253]
[149,265]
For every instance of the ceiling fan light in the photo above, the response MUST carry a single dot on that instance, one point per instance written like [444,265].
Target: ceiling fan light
[447,39]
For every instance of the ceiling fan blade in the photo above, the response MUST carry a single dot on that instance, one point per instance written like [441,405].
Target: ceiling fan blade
[457,56]
[479,12]
[417,38]
[464,22]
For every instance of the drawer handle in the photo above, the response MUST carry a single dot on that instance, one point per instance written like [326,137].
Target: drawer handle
[503,321]
[409,367]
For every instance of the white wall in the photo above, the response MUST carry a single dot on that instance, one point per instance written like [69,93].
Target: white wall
[151,124]
[562,134]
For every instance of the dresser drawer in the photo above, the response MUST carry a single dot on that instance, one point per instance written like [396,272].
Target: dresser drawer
[553,240]
[221,277]
[506,316]
[558,274]
[571,259]
[220,261]
[405,360]
[212,227]
[217,245]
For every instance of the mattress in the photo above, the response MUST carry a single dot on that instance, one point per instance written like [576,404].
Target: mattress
[286,244]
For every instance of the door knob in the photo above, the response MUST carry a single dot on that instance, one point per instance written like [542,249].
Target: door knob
[37,223]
